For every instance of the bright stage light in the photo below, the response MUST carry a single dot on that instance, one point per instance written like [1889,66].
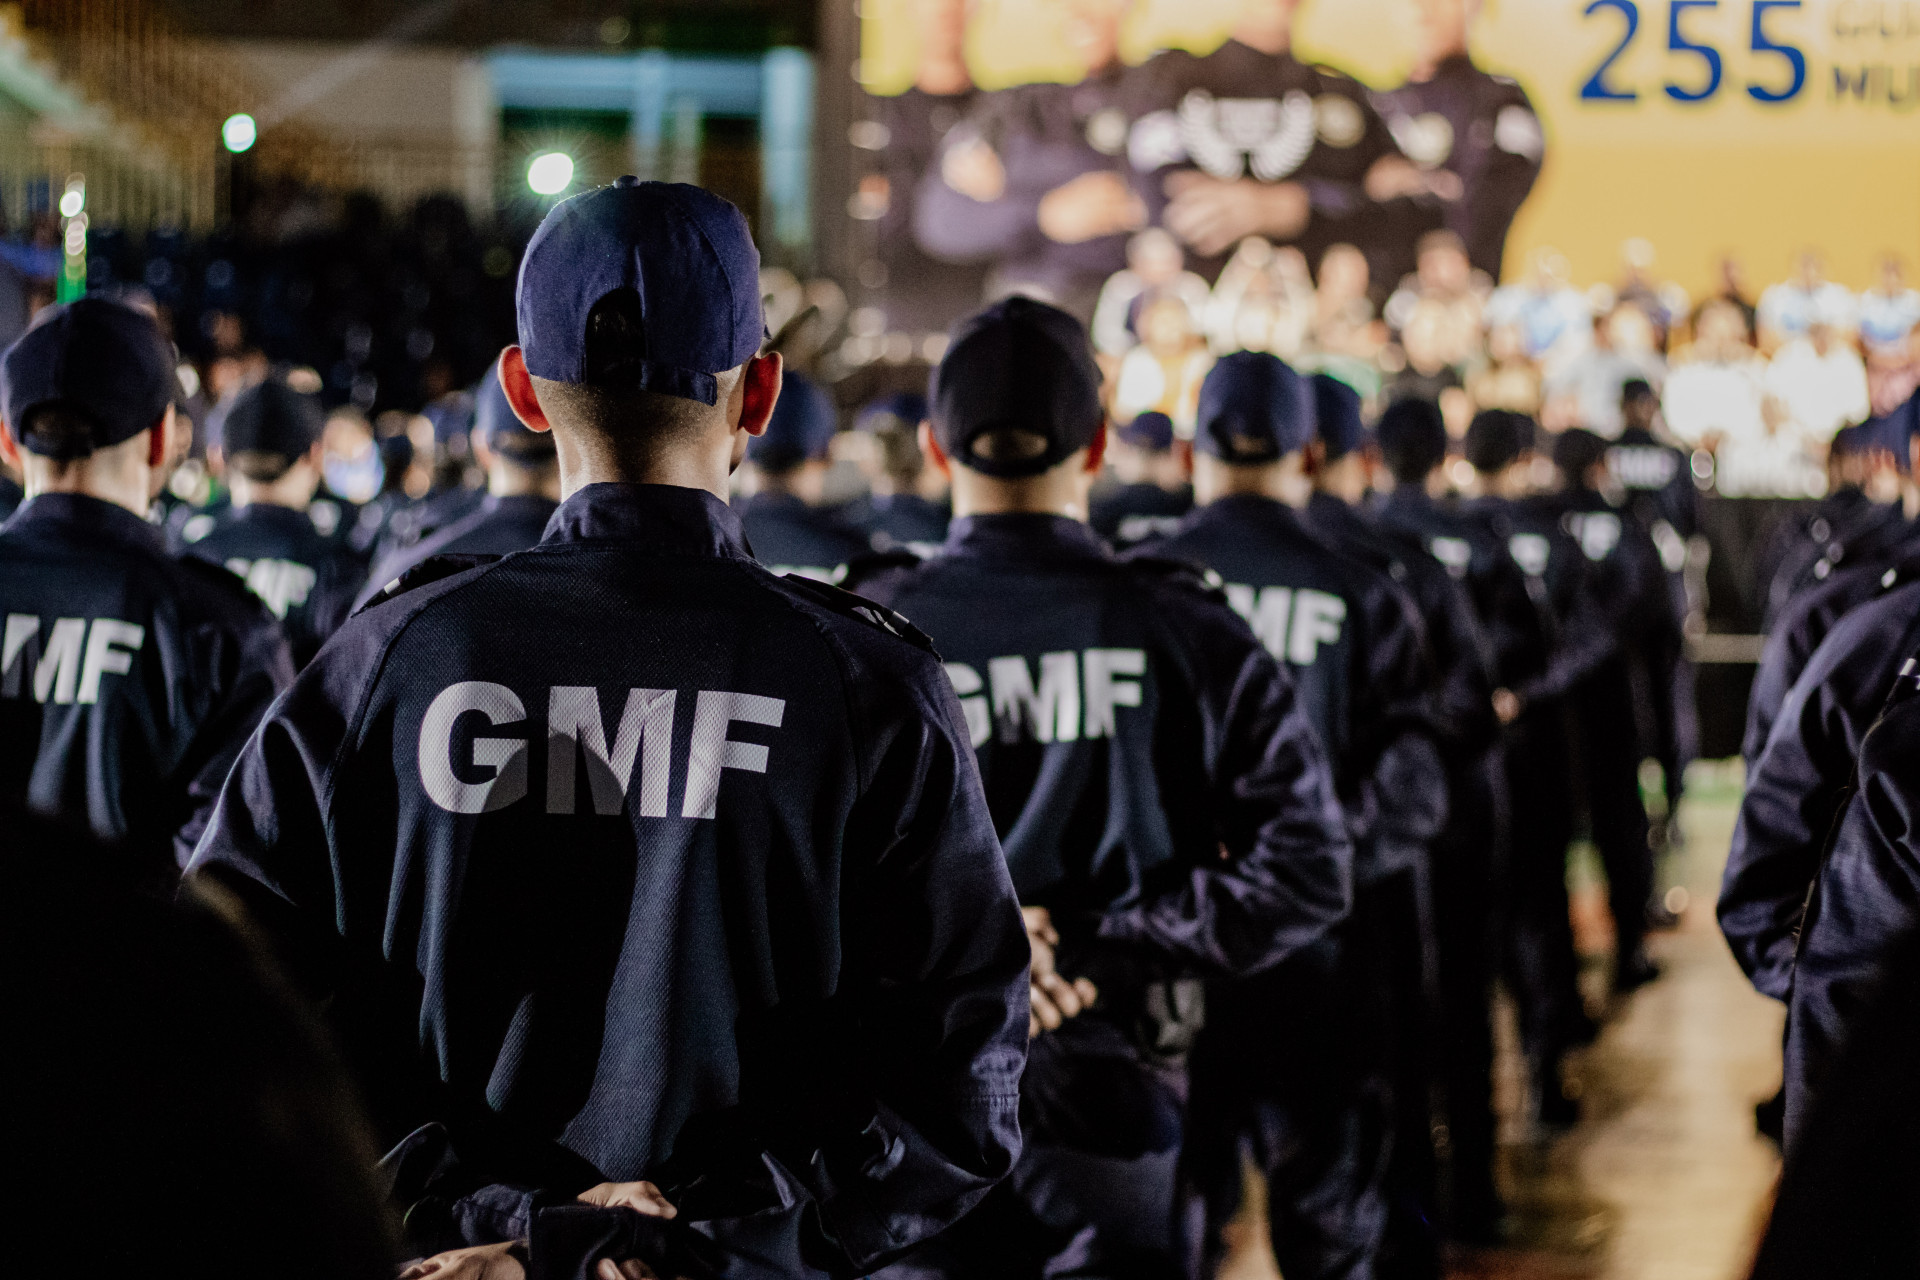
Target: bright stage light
[239,132]
[550,173]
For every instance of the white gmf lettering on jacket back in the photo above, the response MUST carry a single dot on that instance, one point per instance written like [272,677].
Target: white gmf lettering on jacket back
[64,663]
[1078,696]
[576,730]
[280,584]
[1291,624]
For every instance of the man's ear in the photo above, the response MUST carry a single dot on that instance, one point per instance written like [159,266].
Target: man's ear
[517,383]
[1316,457]
[935,454]
[1097,450]
[760,391]
[10,449]
[159,440]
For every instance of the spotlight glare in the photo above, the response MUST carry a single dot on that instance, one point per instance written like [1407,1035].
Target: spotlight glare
[550,173]
[239,132]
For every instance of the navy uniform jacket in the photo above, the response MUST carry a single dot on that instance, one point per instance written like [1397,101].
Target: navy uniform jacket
[1806,621]
[1152,773]
[1863,912]
[1239,113]
[788,536]
[11,496]
[623,843]
[1527,580]
[1045,135]
[896,520]
[1135,513]
[1798,785]
[1844,527]
[1481,128]
[1659,485]
[497,527]
[411,522]
[1462,699]
[1355,652]
[308,579]
[128,680]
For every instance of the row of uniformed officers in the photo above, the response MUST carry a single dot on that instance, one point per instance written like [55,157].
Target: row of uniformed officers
[676,917]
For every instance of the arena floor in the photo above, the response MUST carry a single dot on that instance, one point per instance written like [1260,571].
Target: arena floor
[1664,1179]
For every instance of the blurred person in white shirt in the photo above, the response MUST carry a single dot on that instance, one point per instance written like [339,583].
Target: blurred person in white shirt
[1587,392]
[1715,400]
[1890,332]
[1554,318]
[1819,383]
[1792,307]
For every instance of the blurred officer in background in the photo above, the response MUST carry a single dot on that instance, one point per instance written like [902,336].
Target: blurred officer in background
[1801,778]
[523,491]
[1858,519]
[898,511]
[1625,574]
[1165,807]
[1035,181]
[128,680]
[307,577]
[1474,136]
[1860,919]
[731,933]
[788,529]
[1462,855]
[1152,492]
[1299,1063]
[1657,483]
[1321,170]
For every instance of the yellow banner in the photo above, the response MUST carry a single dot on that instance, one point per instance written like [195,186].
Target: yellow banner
[1754,127]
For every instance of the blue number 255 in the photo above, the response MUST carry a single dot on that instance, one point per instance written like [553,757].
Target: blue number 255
[1598,88]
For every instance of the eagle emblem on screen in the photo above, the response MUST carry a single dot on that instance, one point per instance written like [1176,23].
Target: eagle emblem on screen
[1228,138]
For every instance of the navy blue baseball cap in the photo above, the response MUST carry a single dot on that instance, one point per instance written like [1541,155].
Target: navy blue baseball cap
[903,411]
[1151,431]
[102,359]
[687,261]
[1253,409]
[801,429]
[1337,411]
[1413,438]
[268,417]
[1019,365]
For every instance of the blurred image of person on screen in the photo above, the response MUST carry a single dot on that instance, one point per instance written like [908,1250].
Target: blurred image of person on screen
[1474,135]
[1034,181]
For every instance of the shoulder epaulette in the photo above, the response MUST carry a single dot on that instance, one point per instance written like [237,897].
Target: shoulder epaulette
[850,605]
[1180,572]
[219,577]
[428,571]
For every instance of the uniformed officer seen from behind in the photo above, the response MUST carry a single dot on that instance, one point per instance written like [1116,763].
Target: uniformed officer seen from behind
[1462,855]
[788,529]
[1165,805]
[128,680]
[1296,1064]
[306,577]
[696,857]
[1150,492]
[905,504]
[523,489]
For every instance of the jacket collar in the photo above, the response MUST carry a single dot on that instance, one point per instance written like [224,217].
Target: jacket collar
[1026,538]
[666,518]
[75,515]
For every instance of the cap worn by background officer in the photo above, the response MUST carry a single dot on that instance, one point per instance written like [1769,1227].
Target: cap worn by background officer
[1336,410]
[1254,409]
[747,773]
[1017,392]
[131,681]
